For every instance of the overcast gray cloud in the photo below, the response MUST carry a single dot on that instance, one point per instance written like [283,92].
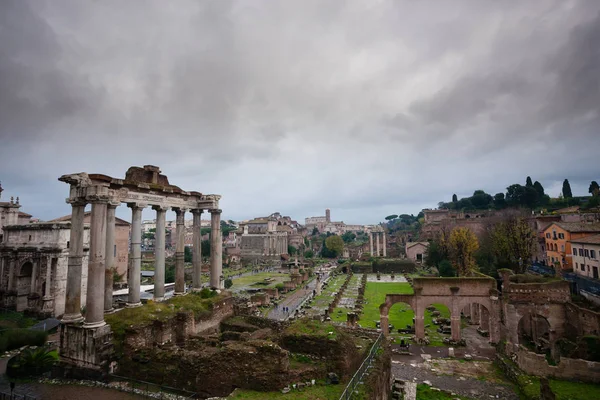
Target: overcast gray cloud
[368,108]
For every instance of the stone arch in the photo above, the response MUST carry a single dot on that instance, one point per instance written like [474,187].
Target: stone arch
[534,331]
[479,314]
[26,269]
[430,316]
[392,299]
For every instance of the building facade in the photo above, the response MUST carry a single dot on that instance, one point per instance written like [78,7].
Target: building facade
[559,236]
[586,254]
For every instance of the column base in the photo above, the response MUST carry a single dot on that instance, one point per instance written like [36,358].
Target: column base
[179,294]
[158,299]
[111,311]
[71,319]
[133,305]
[92,325]
[196,289]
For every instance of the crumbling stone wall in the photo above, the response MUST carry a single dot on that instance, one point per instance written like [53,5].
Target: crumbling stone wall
[567,368]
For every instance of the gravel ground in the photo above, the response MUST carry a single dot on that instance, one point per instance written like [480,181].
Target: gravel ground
[464,386]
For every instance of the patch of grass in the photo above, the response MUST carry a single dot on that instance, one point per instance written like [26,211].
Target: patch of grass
[312,328]
[320,391]
[259,278]
[146,314]
[13,319]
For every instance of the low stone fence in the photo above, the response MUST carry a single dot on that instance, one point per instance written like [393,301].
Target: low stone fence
[568,368]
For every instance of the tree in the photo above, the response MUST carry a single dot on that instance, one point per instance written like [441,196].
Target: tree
[513,243]
[309,254]
[499,201]
[228,283]
[292,250]
[446,270]
[521,196]
[187,254]
[315,231]
[539,189]
[566,189]
[435,253]
[335,244]
[205,248]
[462,246]
[594,188]
[528,182]
[454,198]
[391,217]
[348,237]
[481,199]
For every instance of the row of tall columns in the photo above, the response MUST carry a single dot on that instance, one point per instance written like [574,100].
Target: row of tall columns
[102,259]
[379,247]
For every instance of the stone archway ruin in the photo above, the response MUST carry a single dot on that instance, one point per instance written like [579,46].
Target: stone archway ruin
[454,293]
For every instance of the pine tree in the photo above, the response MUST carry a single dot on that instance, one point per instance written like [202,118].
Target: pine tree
[566,189]
[594,188]
[539,188]
[454,198]
[528,182]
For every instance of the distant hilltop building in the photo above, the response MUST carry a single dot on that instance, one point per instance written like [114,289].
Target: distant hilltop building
[324,225]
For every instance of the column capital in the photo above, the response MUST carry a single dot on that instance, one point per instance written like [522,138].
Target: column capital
[79,202]
[139,206]
[160,208]
[179,210]
[197,211]
[215,211]
[112,204]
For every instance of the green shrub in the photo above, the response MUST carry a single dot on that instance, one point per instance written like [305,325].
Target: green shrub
[31,362]
[228,283]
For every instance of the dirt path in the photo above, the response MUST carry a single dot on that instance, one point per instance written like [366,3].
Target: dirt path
[292,301]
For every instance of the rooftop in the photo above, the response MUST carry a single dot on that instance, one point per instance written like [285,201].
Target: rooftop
[594,239]
[577,226]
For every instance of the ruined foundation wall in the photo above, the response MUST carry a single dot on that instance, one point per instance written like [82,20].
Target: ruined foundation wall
[567,368]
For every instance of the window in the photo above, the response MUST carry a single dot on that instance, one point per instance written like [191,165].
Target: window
[555,247]
[552,259]
[582,267]
[580,252]
[554,235]
[115,251]
[561,235]
[562,247]
[576,265]
[587,253]
[547,235]
[574,251]
[593,254]
[68,244]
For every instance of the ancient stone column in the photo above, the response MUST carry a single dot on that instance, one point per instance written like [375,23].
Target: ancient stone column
[11,273]
[135,258]
[216,262]
[159,253]
[197,254]
[34,272]
[371,243]
[378,245]
[110,257]
[384,324]
[48,289]
[73,296]
[94,307]
[180,252]
[384,246]
[419,323]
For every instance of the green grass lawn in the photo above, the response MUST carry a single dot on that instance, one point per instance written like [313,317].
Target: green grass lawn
[564,390]
[400,314]
[320,391]
[424,392]
[256,280]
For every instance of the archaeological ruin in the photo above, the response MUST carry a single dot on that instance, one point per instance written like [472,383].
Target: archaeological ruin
[85,339]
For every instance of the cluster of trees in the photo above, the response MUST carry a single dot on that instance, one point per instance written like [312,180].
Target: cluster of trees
[508,244]
[404,222]
[333,246]
[531,195]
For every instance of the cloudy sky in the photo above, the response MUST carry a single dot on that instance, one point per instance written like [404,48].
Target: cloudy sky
[369,108]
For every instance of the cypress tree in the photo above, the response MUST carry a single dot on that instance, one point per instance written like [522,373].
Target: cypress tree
[566,189]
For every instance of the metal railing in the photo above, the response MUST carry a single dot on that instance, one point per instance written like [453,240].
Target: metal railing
[15,396]
[149,389]
[358,375]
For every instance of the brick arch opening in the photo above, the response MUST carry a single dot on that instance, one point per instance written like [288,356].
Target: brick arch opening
[534,332]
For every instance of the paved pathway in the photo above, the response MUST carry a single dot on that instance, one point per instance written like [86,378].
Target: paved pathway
[292,301]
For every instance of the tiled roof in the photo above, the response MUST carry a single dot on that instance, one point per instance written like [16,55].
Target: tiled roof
[577,226]
[594,239]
